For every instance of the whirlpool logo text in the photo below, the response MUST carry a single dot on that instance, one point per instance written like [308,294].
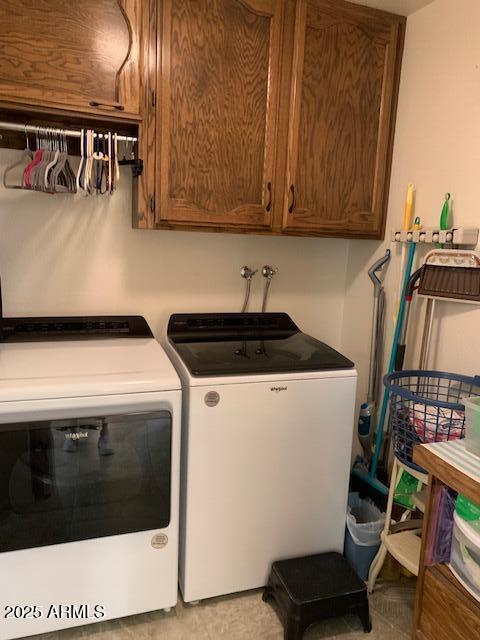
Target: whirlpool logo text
[278,389]
[76,435]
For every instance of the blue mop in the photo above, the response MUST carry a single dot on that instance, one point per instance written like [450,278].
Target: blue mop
[370,476]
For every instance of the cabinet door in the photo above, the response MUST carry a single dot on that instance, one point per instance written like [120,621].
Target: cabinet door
[343,96]
[219,84]
[81,56]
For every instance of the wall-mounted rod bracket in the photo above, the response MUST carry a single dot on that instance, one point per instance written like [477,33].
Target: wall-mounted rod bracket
[137,166]
[433,235]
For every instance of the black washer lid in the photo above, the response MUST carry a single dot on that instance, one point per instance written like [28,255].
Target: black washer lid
[242,344]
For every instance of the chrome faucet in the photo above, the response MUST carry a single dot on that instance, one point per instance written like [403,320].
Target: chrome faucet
[267,272]
[247,274]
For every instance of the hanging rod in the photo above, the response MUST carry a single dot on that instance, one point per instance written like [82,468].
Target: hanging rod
[70,133]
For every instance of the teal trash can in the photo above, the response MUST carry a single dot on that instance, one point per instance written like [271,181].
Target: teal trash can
[364,526]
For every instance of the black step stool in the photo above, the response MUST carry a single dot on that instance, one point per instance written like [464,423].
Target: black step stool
[313,588]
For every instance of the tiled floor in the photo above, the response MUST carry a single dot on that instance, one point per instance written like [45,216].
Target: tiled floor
[246,617]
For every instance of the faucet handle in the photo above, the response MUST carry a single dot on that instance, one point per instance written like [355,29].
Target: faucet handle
[269,272]
[247,273]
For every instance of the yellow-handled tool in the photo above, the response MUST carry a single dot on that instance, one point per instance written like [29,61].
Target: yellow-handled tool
[407,221]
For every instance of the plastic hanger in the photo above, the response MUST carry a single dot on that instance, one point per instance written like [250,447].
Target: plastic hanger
[37,156]
[117,166]
[63,179]
[88,186]
[48,172]
[68,167]
[104,179]
[83,175]
[86,164]
[79,178]
[27,174]
[54,179]
[97,164]
[67,171]
[42,158]
[26,155]
[109,154]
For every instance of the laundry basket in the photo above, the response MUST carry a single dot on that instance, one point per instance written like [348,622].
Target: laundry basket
[426,406]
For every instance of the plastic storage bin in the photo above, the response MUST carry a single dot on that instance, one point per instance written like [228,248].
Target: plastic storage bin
[472,425]
[365,523]
[465,556]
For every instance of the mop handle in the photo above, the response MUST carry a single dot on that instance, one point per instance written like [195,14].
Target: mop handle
[373,373]
[378,266]
[391,366]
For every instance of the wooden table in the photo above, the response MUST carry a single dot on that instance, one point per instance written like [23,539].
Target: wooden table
[444,610]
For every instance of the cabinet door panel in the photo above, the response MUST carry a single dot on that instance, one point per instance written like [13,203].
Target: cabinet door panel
[344,76]
[219,81]
[73,55]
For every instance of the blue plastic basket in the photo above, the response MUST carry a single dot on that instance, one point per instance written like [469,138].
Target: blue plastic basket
[426,406]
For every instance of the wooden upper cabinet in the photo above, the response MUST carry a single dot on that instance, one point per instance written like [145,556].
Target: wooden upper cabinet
[219,80]
[343,96]
[79,56]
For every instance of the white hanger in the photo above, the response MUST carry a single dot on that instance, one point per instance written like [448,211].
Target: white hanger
[82,159]
[49,166]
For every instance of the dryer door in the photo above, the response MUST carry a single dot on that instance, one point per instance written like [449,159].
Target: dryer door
[76,479]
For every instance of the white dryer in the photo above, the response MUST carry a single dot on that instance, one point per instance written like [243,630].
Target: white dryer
[268,415]
[89,473]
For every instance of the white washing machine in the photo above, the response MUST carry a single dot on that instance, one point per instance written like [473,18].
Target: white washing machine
[89,473]
[268,415]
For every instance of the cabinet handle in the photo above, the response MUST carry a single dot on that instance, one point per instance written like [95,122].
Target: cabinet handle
[292,206]
[107,105]
[269,203]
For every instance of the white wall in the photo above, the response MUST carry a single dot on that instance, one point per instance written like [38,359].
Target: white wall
[437,147]
[402,7]
[76,255]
